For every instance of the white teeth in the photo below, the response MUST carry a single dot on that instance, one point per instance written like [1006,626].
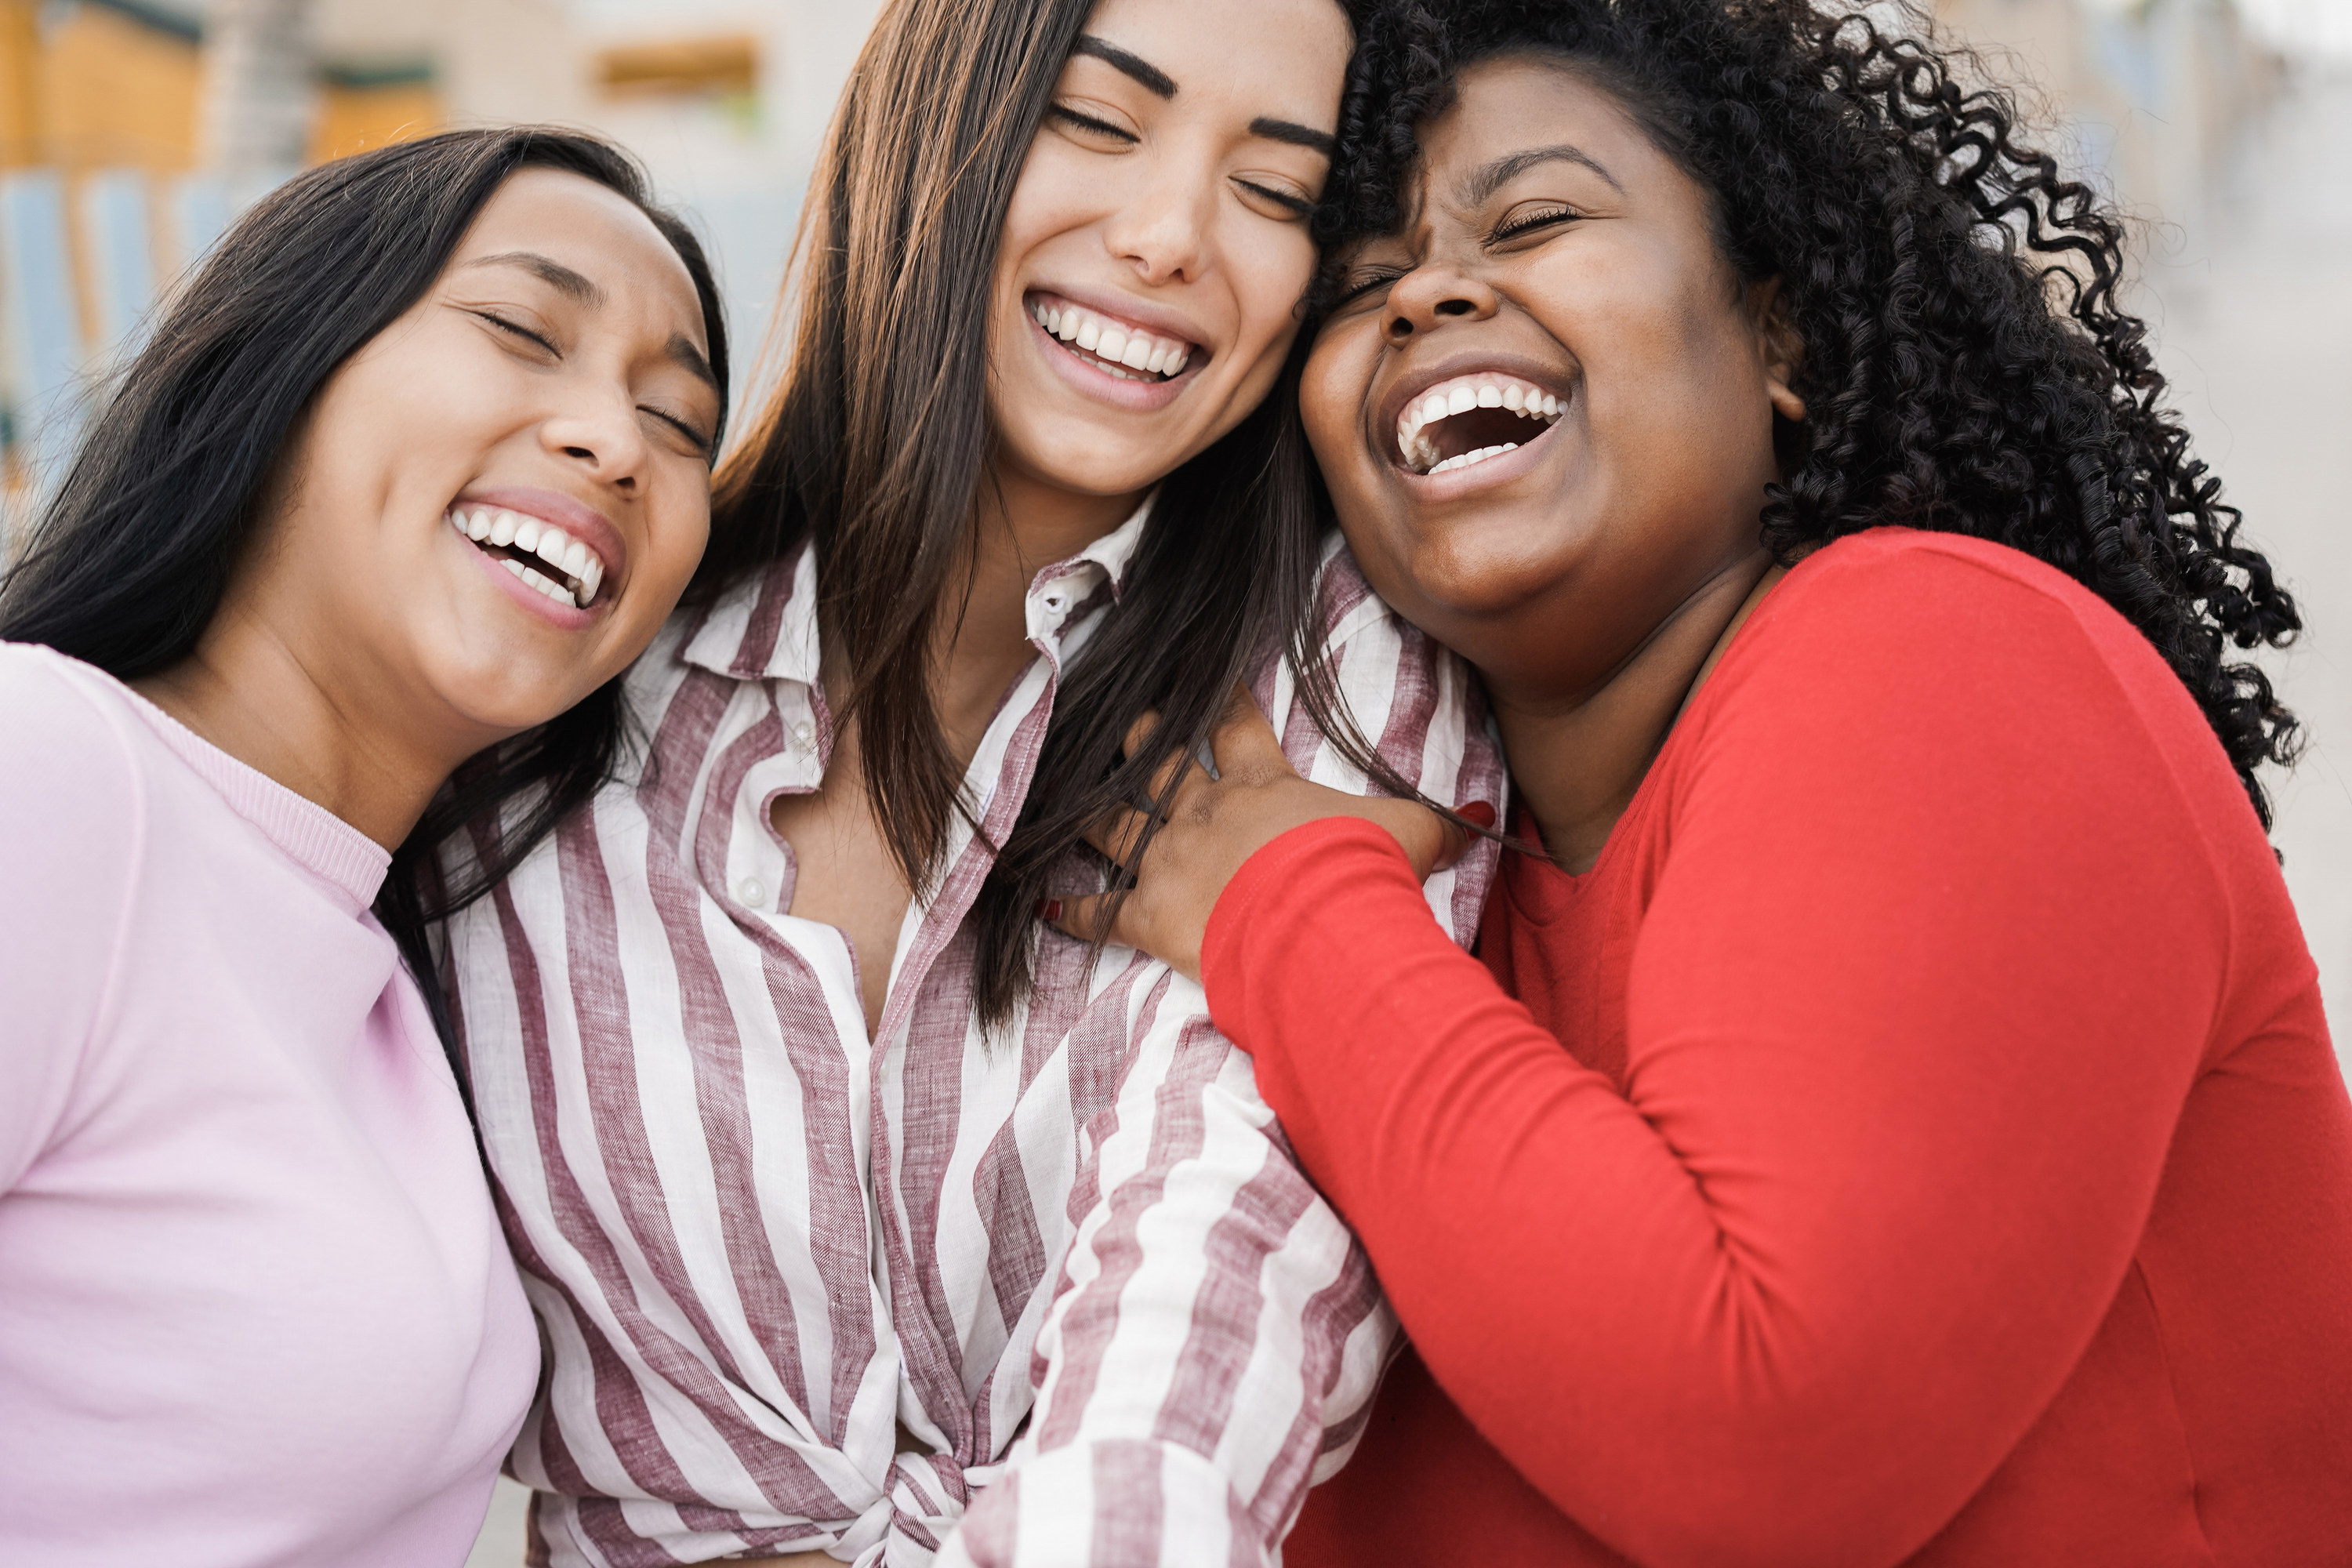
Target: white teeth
[1480,455]
[526,534]
[513,566]
[502,528]
[552,545]
[592,577]
[1489,390]
[1118,347]
[575,559]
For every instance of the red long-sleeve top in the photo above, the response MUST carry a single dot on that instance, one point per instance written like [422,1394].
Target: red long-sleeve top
[1916,1139]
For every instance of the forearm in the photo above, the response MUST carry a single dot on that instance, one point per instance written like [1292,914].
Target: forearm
[1710,1309]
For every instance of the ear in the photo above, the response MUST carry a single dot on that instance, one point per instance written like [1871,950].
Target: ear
[1783,350]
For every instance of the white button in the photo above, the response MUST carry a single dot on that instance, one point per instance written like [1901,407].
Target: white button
[803,736]
[750,890]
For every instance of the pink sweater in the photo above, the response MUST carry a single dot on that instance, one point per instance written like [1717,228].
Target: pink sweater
[255,1308]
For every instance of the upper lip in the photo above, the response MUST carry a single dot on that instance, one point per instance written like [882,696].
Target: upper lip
[581,521]
[1157,320]
[1469,362]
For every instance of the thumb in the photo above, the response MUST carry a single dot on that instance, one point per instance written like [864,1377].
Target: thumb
[1081,915]
[1458,840]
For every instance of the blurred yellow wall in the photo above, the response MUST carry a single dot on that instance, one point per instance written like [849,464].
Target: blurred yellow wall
[116,86]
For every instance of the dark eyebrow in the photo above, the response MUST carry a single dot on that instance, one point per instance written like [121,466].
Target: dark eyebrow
[1485,182]
[549,270]
[1296,134]
[1155,80]
[682,350]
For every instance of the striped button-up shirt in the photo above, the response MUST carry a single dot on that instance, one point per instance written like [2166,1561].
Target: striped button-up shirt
[762,1242]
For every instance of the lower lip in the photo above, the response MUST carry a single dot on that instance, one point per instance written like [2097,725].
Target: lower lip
[567,618]
[1136,396]
[1455,483]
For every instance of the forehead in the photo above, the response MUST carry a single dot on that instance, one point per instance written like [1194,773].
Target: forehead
[1286,54]
[594,231]
[1513,103]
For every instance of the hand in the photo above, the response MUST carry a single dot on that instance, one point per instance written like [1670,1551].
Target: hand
[1213,825]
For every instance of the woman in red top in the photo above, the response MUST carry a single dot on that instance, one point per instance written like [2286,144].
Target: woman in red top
[1890,1117]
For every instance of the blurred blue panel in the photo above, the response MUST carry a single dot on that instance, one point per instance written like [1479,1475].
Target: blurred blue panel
[42,335]
[122,257]
[200,211]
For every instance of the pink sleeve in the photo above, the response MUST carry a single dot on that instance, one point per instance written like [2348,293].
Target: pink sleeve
[71,829]
[1916,1001]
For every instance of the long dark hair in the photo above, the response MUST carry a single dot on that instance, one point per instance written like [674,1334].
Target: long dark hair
[1967,365]
[129,563]
[875,444]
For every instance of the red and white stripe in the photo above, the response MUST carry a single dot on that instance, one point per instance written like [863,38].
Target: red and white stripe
[759,1242]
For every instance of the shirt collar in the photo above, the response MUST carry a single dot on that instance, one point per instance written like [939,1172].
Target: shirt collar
[766,627]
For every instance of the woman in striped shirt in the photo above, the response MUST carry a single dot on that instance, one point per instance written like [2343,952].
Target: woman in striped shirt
[831,1177]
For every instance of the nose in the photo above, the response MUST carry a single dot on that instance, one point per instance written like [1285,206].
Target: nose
[1431,293]
[1161,229]
[601,431]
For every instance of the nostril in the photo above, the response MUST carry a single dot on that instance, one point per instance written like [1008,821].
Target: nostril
[1455,307]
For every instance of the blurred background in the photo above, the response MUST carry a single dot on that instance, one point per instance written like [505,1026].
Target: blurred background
[132,131]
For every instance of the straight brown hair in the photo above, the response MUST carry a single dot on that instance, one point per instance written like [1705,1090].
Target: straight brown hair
[873,449]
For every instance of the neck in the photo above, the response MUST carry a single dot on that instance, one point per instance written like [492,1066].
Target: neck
[1577,762]
[249,692]
[1024,524]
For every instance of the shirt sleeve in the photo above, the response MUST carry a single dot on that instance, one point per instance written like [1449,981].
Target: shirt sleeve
[1920,991]
[1218,1334]
[71,821]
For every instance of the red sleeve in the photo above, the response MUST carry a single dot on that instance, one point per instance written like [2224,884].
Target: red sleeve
[1918,998]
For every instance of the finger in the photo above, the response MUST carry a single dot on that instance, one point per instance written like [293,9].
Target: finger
[1459,838]
[1137,733]
[1081,915]
[1245,740]
[1117,833]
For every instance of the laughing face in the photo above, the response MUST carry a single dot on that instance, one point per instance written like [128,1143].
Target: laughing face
[1156,248]
[1546,415]
[491,507]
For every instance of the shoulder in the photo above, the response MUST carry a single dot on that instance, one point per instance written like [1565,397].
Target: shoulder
[1922,616]
[1934,666]
[73,739]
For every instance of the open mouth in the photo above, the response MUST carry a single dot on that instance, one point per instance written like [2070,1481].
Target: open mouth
[1470,418]
[1106,343]
[542,555]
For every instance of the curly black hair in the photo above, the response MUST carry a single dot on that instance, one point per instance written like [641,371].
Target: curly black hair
[1967,365]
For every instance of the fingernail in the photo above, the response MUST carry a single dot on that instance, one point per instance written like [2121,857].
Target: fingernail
[1478,812]
[1051,908]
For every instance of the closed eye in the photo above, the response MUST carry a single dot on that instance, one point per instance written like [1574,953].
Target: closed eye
[702,442]
[1089,124]
[1295,205]
[1519,223]
[1356,285]
[515,328]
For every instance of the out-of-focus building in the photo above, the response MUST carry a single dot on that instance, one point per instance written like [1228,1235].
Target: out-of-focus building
[130,132]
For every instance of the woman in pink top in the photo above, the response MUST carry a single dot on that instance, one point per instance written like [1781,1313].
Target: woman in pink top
[413,469]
